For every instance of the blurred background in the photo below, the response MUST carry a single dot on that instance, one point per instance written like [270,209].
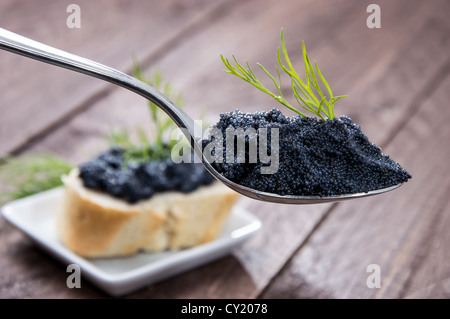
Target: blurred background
[397,81]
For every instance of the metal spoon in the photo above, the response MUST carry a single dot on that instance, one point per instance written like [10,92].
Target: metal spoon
[18,44]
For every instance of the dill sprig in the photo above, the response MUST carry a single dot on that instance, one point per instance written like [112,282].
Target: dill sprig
[309,94]
[28,174]
[163,123]
[159,146]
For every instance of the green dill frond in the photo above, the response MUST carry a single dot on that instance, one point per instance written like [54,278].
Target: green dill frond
[162,122]
[308,94]
[158,146]
[30,174]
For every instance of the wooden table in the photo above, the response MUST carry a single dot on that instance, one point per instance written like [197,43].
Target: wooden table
[397,79]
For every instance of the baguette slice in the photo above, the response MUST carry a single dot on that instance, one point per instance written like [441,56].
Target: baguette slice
[94,224]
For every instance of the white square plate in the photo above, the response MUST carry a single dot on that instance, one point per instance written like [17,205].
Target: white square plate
[35,216]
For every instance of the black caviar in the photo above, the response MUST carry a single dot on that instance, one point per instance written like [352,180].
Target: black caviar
[316,157]
[134,180]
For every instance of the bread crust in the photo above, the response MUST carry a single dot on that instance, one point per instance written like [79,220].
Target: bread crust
[95,224]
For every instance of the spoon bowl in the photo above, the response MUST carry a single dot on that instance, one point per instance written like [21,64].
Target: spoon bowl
[21,45]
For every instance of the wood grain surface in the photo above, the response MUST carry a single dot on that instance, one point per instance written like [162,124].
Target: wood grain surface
[397,79]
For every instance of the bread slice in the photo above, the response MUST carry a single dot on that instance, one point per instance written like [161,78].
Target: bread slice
[94,224]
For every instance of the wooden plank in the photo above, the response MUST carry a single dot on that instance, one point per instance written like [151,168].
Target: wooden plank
[438,290]
[404,232]
[111,32]
[422,258]
[247,272]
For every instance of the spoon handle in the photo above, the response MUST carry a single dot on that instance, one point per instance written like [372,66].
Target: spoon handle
[21,45]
